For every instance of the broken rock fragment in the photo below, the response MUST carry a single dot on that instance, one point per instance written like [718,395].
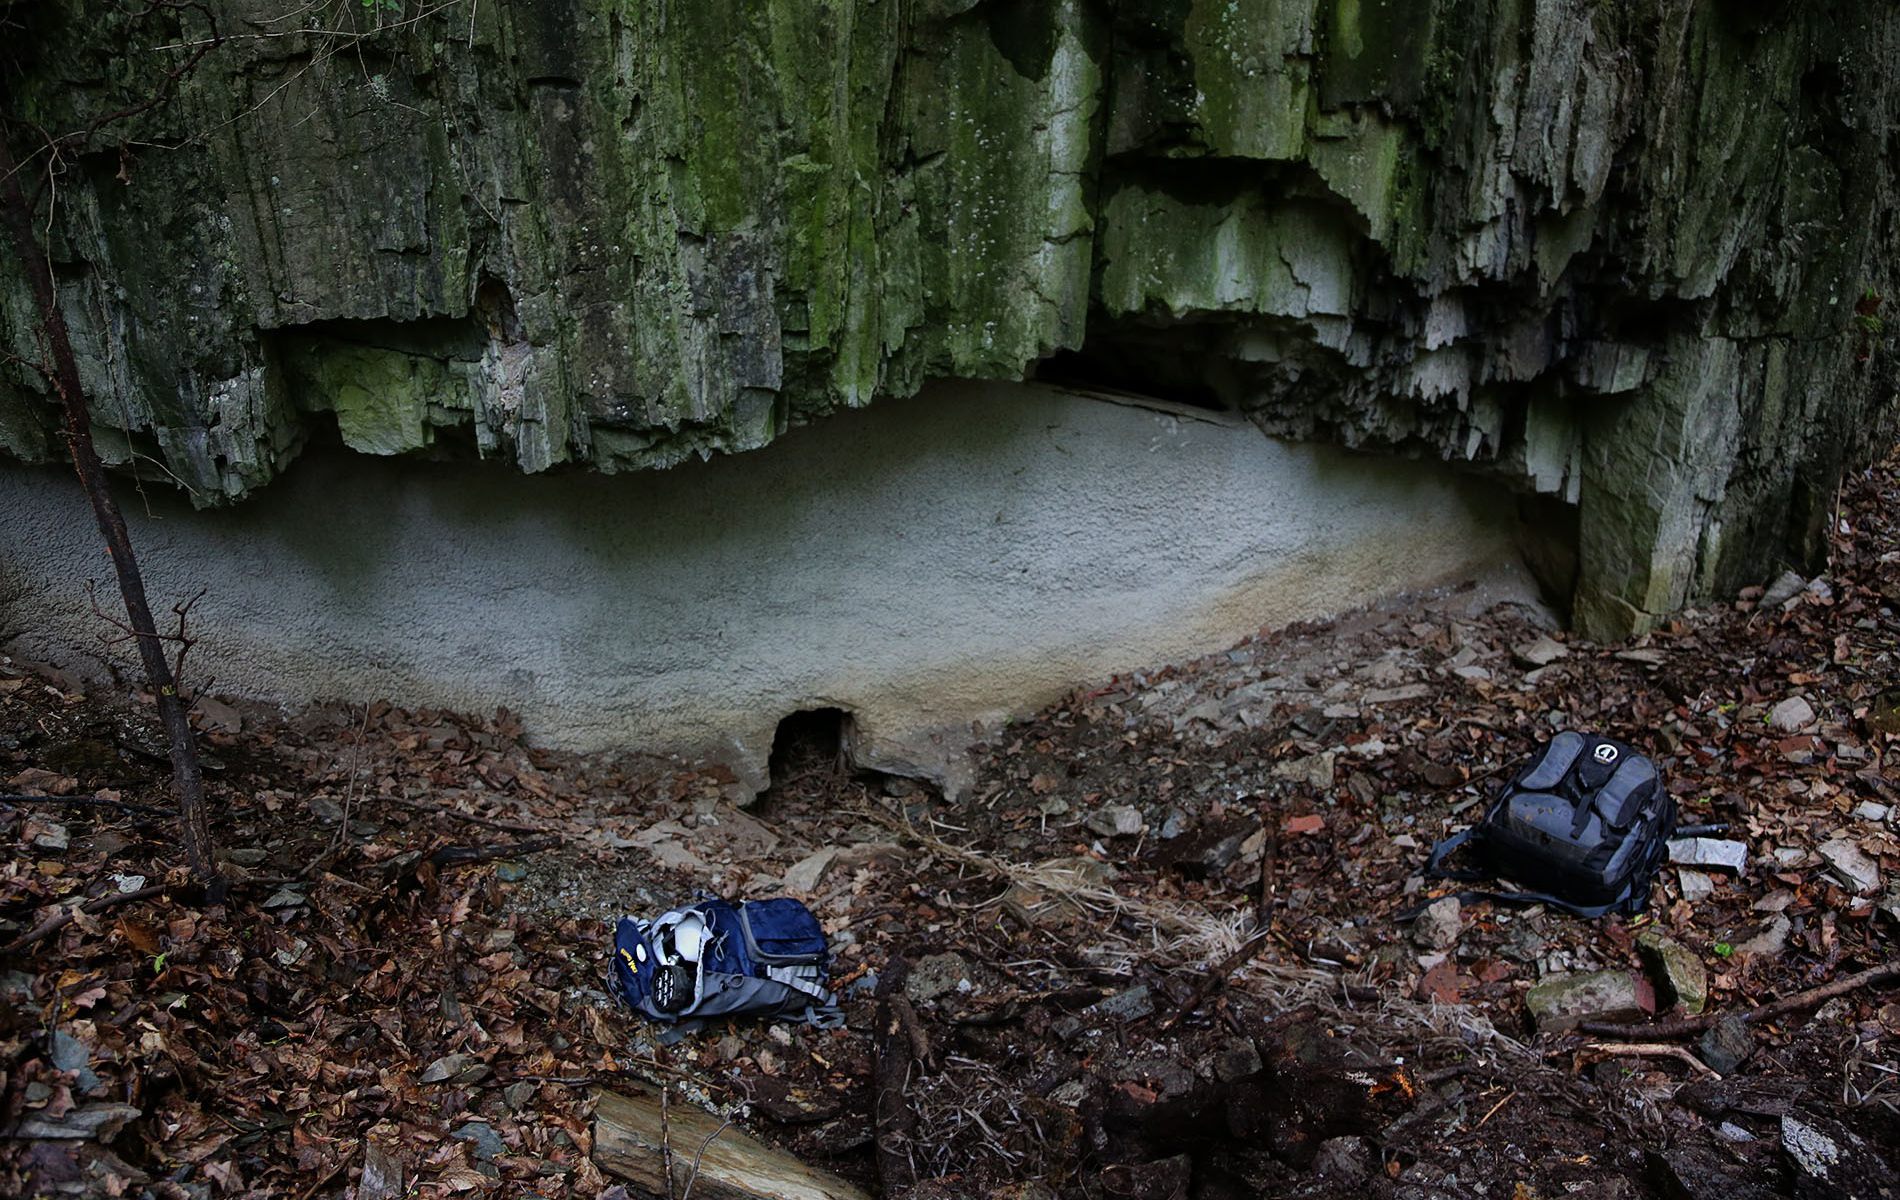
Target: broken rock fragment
[1116,820]
[1541,651]
[1848,861]
[1830,1160]
[1437,927]
[937,975]
[1726,1045]
[1561,1001]
[1782,590]
[1314,769]
[1696,886]
[1772,939]
[1791,716]
[1680,973]
[1709,853]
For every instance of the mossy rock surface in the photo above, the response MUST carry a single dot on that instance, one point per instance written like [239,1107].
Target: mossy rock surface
[1631,257]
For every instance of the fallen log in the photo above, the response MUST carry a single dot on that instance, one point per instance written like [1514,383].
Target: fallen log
[711,1159]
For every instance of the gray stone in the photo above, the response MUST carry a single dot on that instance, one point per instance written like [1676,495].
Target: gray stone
[1116,820]
[88,1122]
[1397,695]
[937,975]
[898,532]
[1559,1002]
[1869,810]
[215,714]
[1813,1152]
[488,1144]
[52,837]
[1717,853]
[1847,860]
[1237,1060]
[1131,1005]
[1726,1045]
[1696,886]
[1222,854]
[1437,928]
[1889,904]
[1347,1159]
[517,1095]
[286,896]
[1785,588]
[706,288]
[382,1174]
[1732,1133]
[1315,770]
[458,1068]
[1770,941]
[1679,974]
[1473,673]
[68,1053]
[801,878]
[1792,715]
[1540,651]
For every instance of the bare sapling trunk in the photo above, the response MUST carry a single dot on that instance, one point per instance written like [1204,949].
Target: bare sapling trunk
[187,777]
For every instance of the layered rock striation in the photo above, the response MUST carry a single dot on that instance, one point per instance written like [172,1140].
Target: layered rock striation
[1631,256]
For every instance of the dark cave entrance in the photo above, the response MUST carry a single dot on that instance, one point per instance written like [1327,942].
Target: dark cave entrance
[810,742]
[1135,367]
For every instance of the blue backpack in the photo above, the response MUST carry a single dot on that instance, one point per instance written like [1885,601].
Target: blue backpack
[758,958]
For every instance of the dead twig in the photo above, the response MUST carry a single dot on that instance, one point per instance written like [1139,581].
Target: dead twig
[666,1138]
[1690,1026]
[88,802]
[1215,979]
[1597,1051]
[473,818]
[1493,1111]
[462,856]
[1263,915]
[692,1174]
[342,834]
[64,916]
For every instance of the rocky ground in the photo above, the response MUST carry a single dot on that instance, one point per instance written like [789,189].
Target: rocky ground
[402,994]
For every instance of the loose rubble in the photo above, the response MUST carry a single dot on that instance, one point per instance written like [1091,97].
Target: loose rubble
[381,1022]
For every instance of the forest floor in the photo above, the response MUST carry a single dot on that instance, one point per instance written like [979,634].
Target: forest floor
[403,993]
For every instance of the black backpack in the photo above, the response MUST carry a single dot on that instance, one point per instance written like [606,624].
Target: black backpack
[1584,825]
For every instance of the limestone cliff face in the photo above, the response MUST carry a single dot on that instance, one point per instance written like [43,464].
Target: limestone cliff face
[1631,255]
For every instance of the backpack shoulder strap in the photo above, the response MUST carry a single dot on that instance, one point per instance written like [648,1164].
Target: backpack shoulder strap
[1526,899]
[1435,865]
[1519,898]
